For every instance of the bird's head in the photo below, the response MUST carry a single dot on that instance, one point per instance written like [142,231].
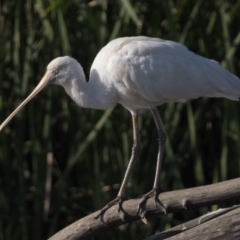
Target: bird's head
[58,72]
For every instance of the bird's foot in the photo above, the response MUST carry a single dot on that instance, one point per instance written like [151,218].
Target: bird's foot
[117,201]
[142,205]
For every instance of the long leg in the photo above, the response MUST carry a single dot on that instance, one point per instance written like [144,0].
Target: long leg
[135,152]
[161,143]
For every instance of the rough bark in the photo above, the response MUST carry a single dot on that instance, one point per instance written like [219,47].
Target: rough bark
[217,225]
[181,200]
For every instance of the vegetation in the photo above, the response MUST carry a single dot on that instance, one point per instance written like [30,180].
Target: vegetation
[91,148]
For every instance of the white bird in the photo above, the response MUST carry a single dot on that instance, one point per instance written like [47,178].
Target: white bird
[139,73]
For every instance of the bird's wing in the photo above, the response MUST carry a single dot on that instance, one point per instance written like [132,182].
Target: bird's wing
[163,71]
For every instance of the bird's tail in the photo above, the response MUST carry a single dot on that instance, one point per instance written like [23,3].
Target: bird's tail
[227,85]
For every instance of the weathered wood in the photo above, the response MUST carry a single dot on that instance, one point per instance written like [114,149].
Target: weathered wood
[192,198]
[223,224]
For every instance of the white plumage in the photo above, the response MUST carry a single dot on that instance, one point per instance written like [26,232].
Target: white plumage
[139,73]
[142,72]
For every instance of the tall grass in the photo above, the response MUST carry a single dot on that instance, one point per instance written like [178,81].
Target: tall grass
[92,148]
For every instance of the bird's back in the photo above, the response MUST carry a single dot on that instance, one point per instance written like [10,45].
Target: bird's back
[147,72]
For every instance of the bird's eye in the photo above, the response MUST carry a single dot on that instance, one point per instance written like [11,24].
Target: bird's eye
[53,76]
[54,72]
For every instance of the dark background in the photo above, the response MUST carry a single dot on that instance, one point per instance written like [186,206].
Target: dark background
[90,157]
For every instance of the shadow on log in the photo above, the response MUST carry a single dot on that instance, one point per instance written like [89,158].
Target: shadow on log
[181,200]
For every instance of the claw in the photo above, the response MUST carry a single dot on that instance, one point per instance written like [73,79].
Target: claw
[143,217]
[142,205]
[117,201]
[152,194]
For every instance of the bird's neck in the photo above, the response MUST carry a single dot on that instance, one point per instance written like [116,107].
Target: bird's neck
[95,94]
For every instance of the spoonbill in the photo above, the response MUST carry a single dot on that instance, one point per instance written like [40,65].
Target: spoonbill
[139,73]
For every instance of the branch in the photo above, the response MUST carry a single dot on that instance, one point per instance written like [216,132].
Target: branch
[218,225]
[192,198]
